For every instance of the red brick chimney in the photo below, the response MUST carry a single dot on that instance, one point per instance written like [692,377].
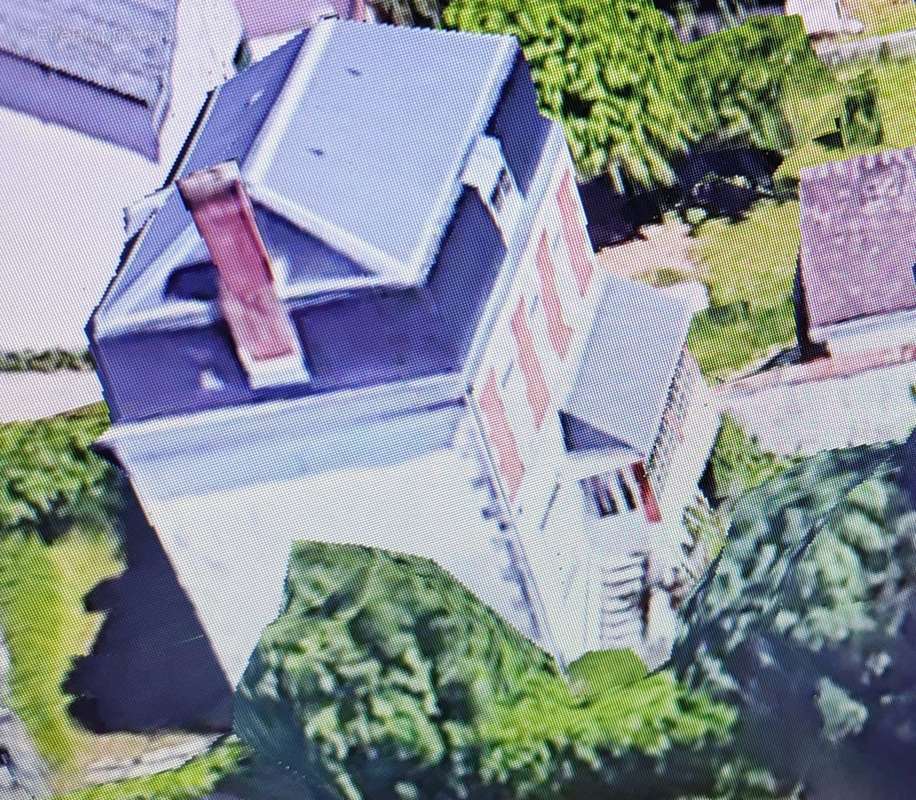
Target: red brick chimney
[265,339]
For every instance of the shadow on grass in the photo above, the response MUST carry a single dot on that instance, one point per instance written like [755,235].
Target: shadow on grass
[151,666]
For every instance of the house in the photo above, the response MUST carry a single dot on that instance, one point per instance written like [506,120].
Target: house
[368,312]
[856,277]
[96,101]
[268,24]
[824,18]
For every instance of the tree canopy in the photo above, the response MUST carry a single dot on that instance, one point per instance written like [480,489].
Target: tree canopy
[632,97]
[806,625]
[48,474]
[384,678]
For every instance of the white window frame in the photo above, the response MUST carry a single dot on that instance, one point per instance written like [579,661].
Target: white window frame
[487,171]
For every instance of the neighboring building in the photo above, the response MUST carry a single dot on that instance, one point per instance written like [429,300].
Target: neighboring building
[823,18]
[856,280]
[269,24]
[96,101]
[381,322]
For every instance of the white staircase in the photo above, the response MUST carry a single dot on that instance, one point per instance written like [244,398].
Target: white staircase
[620,610]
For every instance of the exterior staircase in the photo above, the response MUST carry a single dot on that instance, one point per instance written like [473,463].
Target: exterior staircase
[622,587]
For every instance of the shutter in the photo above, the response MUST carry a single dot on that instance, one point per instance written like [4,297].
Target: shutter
[502,440]
[558,332]
[647,493]
[535,385]
[580,251]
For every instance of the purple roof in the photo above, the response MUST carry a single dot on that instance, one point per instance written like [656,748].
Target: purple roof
[858,237]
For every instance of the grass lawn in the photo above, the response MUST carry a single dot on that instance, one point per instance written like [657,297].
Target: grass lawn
[45,624]
[882,17]
[749,265]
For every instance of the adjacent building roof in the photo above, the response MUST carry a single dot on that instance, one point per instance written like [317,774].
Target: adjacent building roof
[858,237]
[267,17]
[627,368]
[123,46]
[333,122]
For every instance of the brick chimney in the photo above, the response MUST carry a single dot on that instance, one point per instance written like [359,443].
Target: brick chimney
[264,337]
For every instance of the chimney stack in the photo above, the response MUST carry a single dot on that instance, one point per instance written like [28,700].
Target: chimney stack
[264,337]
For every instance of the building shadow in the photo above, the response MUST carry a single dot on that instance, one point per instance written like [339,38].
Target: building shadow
[151,666]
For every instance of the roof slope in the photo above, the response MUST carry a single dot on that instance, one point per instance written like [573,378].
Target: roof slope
[858,237]
[629,363]
[335,121]
[124,46]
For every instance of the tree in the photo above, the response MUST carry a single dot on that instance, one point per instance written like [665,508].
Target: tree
[48,475]
[632,97]
[806,626]
[612,72]
[384,678]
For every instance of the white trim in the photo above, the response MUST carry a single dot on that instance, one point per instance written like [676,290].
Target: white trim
[327,411]
[863,326]
[333,236]
[429,241]
[279,371]
[261,153]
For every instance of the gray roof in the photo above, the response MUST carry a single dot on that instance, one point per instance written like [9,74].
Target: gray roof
[333,122]
[628,365]
[858,237]
[124,46]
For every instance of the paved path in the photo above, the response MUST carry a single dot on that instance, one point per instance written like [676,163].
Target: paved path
[33,395]
[898,45]
[866,408]
[29,768]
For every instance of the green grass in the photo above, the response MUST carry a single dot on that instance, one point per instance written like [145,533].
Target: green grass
[192,781]
[46,626]
[749,266]
[882,18]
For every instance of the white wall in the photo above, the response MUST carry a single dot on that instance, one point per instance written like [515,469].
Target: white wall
[61,239]
[230,549]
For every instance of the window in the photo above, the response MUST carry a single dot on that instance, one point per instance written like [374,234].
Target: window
[627,491]
[558,332]
[486,170]
[502,191]
[599,495]
[574,233]
[536,391]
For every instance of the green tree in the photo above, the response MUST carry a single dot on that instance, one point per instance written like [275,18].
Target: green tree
[612,72]
[805,625]
[384,678]
[49,477]
[633,98]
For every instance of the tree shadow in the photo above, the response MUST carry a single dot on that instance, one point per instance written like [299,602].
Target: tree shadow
[830,141]
[151,666]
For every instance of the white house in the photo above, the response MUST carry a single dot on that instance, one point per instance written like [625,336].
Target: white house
[368,312]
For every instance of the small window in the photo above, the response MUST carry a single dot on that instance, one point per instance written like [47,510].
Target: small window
[599,494]
[501,191]
[627,491]
[197,282]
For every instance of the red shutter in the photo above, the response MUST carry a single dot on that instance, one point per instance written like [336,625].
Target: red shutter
[580,250]
[509,461]
[646,493]
[558,332]
[535,386]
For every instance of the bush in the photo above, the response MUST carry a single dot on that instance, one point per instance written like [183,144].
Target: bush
[384,678]
[49,477]
[54,360]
